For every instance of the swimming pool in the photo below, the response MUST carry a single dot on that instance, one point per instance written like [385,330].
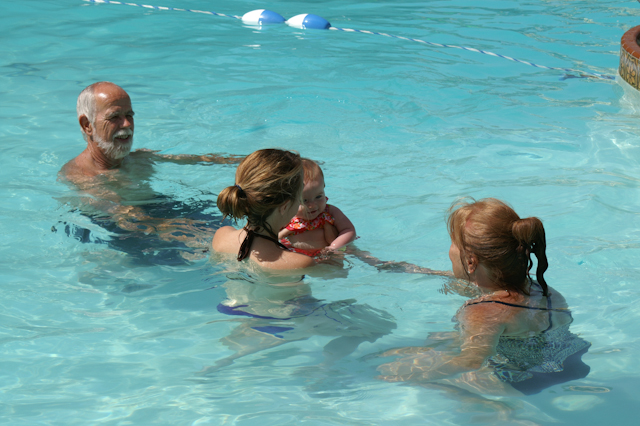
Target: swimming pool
[90,335]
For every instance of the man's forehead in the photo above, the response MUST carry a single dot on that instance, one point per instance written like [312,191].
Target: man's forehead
[107,103]
[116,106]
[110,94]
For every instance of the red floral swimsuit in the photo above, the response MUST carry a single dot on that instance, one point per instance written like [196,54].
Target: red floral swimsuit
[299,225]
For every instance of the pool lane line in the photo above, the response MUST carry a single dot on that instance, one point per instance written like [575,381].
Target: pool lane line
[351,30]
[148,6]
[484,52]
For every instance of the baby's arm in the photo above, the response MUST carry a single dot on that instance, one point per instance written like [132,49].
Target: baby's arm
[284,233]
[346,230]
[330,233]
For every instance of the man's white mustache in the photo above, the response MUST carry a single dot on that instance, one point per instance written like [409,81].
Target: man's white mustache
[123,133]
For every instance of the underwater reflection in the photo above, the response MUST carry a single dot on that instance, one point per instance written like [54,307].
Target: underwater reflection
[125,213]
[272,310]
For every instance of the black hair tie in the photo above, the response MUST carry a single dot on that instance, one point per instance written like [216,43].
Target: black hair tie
[241,192]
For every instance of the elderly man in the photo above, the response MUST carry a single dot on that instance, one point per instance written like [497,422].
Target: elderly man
[106,120]
[116,180]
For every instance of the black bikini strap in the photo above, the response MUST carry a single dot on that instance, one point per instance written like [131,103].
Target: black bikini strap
[550,308]
[520,306]
[245,247]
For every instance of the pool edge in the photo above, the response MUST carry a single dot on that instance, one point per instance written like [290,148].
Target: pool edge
[629,68]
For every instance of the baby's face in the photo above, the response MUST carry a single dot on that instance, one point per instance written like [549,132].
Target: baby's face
[313,200]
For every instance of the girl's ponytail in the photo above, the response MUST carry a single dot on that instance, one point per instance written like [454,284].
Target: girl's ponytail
[529,233]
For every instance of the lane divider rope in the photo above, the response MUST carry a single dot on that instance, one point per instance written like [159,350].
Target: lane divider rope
[309,21]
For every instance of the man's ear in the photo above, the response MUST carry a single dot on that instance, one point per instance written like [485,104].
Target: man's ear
[85,125]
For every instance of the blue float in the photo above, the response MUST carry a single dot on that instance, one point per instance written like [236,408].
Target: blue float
[308,21]
[262,16]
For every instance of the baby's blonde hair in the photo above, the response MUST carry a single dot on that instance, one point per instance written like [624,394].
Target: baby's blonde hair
[312,171]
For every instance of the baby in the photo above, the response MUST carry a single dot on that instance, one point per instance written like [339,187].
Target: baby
[317,226]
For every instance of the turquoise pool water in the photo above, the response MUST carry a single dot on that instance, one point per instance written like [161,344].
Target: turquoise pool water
[93,335]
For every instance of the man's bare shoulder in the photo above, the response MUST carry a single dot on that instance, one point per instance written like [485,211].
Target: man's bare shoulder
[69,168]
[80,171]
[73,171]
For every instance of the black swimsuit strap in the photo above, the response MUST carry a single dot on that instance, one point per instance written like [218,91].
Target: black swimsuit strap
[245,247]
[549,309]
[519,306]
[531,282]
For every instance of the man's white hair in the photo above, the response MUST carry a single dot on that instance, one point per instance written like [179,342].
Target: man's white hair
[86,104]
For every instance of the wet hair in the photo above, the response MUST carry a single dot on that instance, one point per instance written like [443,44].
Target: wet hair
[265,180]
[86,104]
[493,232]
[312,170]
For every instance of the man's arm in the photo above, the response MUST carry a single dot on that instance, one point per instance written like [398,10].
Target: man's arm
[95,198]
[189,158]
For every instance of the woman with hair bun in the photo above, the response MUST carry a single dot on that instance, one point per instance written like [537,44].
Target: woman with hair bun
[514,334]
[271,303]
[267,194]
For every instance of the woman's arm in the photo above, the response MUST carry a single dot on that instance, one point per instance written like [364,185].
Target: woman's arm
[346,230]
[482,328]
[392,266]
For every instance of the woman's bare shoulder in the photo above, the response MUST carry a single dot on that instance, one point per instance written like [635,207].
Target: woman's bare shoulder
[490,309]
[486,309]
[225,240]
[484,319]
[290,260]
[558,299]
